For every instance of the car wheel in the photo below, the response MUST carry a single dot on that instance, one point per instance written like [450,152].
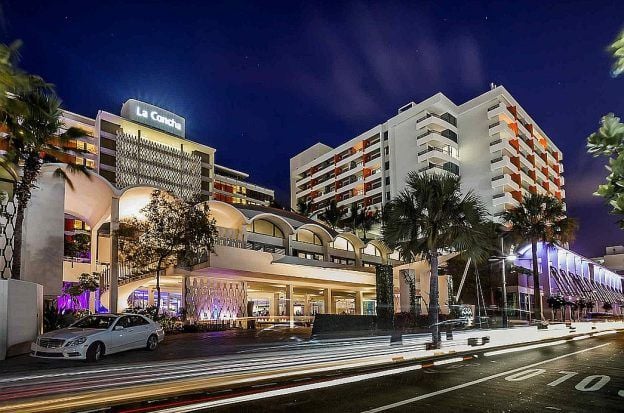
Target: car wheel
[152,343]
[95,351]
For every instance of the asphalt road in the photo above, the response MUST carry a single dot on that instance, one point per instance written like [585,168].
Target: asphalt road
[579,376]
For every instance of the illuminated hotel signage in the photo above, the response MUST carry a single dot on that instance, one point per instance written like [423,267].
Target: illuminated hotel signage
[153,116]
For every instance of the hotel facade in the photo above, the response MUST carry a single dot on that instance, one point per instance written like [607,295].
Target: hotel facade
[267,262]
[490,141]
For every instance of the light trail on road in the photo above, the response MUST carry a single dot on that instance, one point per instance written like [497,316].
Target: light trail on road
[105,386]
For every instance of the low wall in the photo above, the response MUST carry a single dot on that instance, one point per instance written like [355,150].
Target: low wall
[21,316]
[338,323]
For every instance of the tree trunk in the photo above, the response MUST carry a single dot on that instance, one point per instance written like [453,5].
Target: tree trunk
[538,311]
[434,299]
[16,266]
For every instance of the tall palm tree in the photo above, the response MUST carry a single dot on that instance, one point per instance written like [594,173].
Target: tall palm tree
[304,207]
[431,216]
[540,218]
[366,219]
[32,119]
[332,214]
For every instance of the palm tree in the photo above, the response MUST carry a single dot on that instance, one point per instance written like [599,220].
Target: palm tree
[33,119]
[540,218]
[431,216]
[304,207]
[366,219]
[332,214]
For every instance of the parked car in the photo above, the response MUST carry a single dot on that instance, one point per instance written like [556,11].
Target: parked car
[94,336]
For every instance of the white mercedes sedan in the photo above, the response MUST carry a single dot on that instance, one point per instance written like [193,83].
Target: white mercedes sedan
[93,336]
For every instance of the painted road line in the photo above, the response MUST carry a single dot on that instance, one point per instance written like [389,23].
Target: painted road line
[523,348]
[478,381]
[289,390]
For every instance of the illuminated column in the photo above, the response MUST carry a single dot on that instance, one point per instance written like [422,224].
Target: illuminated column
[359,298]
[290,305]
[327,303]
[276,302]
[150,296]
[114,262]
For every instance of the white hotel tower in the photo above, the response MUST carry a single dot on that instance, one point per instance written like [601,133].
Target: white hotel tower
[490,141]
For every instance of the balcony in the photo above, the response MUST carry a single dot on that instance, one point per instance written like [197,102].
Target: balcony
[505,182]
[436,155]
[504,199]
[524,145]
[323,171]
[375,175]
[448,167]
[498,111]
[348,159]
[435,122]
[503,162]
[446,137]
[540,175]
[502,128]
[524,161]
[523,129]
[351,199]
[525,177]
[501,146]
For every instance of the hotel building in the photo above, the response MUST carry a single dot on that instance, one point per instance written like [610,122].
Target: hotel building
[147,145]
[491,142]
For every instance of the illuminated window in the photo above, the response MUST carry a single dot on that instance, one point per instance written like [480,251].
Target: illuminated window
[262,226]
[341,243]
[370,249]
[307,236]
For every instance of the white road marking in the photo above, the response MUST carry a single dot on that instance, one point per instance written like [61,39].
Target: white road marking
[584,385]
[525,374]
[481,380]
[568,375]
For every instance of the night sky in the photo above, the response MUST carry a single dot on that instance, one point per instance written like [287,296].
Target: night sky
[261,82]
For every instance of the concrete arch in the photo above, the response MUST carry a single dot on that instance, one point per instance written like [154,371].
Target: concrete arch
[357,243]
[322,233]
[226,215]
[133,198]
[383,248]
[90,197]
[280,222]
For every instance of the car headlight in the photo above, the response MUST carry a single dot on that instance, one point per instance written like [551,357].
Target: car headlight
[76,341]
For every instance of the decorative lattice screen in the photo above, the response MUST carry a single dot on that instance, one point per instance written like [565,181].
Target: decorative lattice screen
[212,299]
[143,162]
[8,207]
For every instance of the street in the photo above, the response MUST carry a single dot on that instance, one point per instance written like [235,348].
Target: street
[582,375]
[518,369]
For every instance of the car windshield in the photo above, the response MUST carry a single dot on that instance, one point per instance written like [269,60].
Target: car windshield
[93,321]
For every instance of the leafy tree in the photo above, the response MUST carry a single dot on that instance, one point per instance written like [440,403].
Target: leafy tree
[617,51]
[431,216]
[86,282]
[609,141]
[172,231]
[540,218]
[332,214]
[79,244]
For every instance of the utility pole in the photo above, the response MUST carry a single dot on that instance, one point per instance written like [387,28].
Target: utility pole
[503,263]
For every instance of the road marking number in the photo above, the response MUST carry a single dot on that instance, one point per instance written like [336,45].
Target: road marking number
[525,374]
[568,375]
[583,385]
[589,383]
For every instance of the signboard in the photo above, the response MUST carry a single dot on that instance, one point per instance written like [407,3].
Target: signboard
[154,117]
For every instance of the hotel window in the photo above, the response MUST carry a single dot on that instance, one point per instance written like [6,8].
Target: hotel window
[387,165]
[264,227]
[370,249]
[341,243]
[343,261]
[307,236]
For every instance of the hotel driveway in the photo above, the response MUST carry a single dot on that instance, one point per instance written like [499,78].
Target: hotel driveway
[174,347]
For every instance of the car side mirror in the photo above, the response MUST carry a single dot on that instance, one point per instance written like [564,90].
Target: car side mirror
[118,328]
